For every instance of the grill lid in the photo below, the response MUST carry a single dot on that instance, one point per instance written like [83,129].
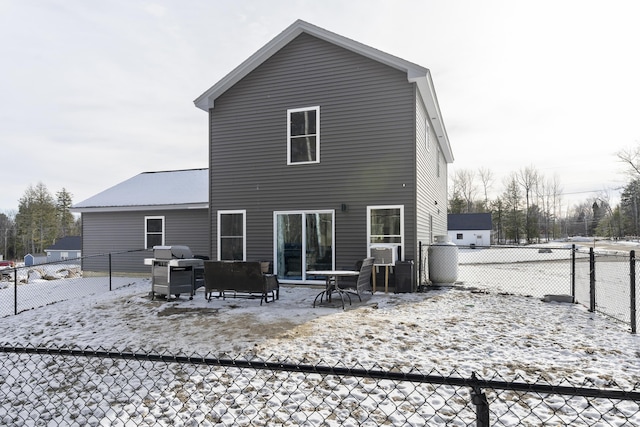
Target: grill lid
[172,252]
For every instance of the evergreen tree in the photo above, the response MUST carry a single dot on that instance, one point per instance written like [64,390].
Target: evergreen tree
[36,219]
[497,216]
[630,208]
[533,224]
[66,221]
[7,233]
[457,205]
[513,214]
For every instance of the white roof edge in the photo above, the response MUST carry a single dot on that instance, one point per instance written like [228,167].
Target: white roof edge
[140,208]
[430,99]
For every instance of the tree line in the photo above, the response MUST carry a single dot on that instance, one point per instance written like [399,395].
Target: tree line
[41,219]
[530,206]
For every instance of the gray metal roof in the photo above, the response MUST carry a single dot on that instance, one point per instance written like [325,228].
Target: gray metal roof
[178,189]
[415,73]
[469,221]
[68,243]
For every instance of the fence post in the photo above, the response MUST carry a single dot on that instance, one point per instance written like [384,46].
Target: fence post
[419,264]
[109,271]
[592,280]
[15,290]
[573,271]
[632,290]
[479,399]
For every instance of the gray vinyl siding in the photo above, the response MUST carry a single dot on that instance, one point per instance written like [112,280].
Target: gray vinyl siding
[367,145]
[111,232]
[431,193]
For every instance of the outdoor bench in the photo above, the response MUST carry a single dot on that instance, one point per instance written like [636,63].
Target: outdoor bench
[239,277]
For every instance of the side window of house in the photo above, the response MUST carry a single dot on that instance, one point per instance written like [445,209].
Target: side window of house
[386,225]
[303,135]
[459,236]
[427,136]
[153,231]
[232,235]
[438,162]
[430,228]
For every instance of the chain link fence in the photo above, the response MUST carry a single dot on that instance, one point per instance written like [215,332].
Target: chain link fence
[605,282]
[62,387]
[28,287]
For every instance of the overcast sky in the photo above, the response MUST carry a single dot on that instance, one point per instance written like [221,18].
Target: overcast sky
[95,92]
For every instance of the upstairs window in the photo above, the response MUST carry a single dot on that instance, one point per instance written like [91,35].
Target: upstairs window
[427,135]
[303,135]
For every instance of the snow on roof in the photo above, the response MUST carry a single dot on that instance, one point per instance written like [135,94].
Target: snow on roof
[166,189]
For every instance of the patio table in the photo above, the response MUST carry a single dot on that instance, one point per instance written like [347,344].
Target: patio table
[331,284]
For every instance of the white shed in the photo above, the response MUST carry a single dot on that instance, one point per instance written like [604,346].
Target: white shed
[469,229]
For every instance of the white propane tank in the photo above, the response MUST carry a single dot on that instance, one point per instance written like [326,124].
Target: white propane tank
[443,261]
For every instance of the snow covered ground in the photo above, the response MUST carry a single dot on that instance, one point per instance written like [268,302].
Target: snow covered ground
[480,327]
[450,330]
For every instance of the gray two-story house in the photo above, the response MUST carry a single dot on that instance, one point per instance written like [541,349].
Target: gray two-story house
[320,149]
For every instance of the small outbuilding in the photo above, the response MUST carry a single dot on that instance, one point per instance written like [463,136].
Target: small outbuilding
[30,259]
[470,229]
[68,247]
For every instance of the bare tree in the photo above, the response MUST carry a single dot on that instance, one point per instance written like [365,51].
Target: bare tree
[631,158]
[543,200]
[556,200]
[547,192]
[486,178]
[463,184]
[528,179]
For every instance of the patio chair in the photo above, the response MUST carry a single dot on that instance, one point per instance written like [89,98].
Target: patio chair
[363,282]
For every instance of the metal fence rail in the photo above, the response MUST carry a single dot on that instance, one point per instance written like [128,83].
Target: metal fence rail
[55,387]
[28,287]
[603,282]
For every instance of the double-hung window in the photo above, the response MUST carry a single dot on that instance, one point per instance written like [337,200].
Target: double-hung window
[232,226]
[385,225]
[303,135]
[153,231]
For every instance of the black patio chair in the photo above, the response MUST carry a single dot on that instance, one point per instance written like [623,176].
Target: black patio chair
[362,283]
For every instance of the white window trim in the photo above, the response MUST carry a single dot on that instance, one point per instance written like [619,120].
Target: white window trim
[402,239]
[146,233]
[295,110]
[244,230]
[427,135]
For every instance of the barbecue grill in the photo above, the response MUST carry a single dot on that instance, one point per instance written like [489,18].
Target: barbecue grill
[174,271]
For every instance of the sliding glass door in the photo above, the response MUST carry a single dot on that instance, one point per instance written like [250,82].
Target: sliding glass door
[303,241]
